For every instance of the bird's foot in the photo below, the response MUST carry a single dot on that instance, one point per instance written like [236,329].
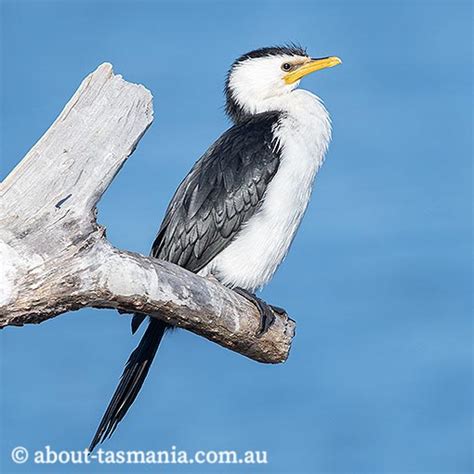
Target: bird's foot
[267,312]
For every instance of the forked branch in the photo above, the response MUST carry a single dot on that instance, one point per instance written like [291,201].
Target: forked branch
[55,257]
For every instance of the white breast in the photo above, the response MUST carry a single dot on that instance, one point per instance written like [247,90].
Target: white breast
[252,258]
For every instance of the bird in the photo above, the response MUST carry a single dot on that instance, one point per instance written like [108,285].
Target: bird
[235,214]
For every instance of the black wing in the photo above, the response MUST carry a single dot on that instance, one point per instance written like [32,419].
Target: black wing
[220,193]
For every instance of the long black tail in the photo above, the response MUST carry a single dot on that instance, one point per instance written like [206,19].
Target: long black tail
[131,381]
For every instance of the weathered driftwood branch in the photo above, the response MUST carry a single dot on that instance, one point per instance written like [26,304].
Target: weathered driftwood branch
[54,256]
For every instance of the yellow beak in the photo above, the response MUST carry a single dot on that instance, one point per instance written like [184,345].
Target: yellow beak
[311,66]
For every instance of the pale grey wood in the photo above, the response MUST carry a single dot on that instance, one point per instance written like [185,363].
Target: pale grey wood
[54,256]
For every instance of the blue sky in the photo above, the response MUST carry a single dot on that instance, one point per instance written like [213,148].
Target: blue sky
[379,379]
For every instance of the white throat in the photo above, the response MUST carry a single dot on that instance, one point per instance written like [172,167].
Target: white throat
[305,117]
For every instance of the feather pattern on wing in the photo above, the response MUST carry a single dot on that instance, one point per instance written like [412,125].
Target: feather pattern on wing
[220,193]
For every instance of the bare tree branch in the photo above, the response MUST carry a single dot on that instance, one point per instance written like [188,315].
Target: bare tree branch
[55,258]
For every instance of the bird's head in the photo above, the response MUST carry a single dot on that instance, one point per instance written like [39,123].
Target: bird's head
[268,73]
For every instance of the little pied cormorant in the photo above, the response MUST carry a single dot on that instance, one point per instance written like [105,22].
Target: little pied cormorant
[235,214]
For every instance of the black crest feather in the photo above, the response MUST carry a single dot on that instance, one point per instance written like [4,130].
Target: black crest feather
[291,49]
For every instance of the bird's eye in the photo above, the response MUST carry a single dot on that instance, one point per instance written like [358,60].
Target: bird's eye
[286,66]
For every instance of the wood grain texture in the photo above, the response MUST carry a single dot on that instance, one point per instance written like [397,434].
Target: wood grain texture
[55,257]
